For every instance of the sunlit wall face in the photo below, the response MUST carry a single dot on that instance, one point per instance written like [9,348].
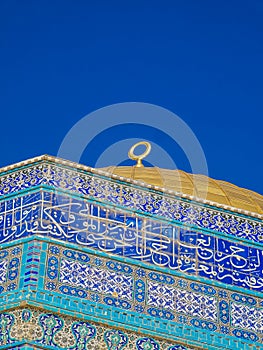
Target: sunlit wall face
[91,257]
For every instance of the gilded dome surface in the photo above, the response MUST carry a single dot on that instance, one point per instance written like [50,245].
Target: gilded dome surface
[199,186]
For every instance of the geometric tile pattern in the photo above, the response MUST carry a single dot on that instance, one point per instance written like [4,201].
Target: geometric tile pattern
[181,301]
[197,305]
[58,331]
[246,317]
[95,279]
[163,296]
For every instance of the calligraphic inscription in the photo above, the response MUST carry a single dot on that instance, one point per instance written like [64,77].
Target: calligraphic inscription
[129,287]
[19,217]
[125,234]
[132,197]
[64,332]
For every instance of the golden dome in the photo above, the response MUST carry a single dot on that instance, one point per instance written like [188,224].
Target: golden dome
[198,186]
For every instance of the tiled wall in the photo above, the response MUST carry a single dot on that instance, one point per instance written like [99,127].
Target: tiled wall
[128,257]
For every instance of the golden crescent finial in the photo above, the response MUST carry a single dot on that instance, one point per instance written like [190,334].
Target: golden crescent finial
[140,156]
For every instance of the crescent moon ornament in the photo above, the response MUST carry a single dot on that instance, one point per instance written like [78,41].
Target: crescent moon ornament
[139,157]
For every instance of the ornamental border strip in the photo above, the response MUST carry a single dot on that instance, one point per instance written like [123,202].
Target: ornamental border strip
[10,262]
[176,332]
[50,329]
[52,160]
[55,176]
[141,264]
[94,172]
[29,301]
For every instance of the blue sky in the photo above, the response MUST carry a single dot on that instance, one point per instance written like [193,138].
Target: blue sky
[202,60]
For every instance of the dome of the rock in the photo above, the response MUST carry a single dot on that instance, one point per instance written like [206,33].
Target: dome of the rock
[198,186]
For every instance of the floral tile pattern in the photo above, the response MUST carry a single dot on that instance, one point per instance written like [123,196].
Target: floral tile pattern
[63,332]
